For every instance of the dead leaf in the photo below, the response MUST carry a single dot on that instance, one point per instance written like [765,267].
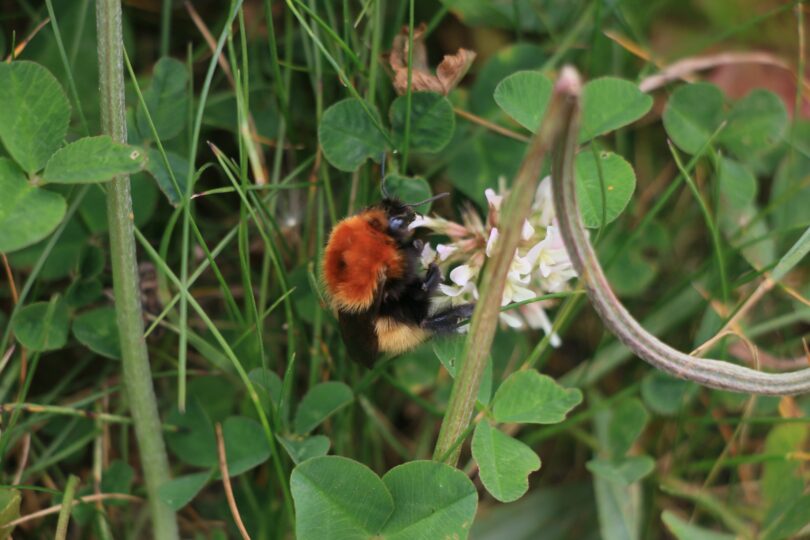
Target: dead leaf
[451,70]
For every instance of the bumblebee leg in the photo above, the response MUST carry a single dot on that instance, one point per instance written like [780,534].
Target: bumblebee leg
[447,321]
[432,278]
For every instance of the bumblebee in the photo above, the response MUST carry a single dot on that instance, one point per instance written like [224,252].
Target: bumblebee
[373,277]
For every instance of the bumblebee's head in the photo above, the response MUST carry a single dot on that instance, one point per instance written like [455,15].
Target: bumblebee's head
[401,215]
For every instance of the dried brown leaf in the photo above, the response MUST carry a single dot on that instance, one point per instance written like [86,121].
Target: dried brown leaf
[449,73]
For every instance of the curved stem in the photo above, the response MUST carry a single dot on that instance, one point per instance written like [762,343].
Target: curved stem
[134,358]
[708,372]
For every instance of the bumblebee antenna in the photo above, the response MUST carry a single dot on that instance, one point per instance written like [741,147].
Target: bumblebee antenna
[384,191]
[430,199]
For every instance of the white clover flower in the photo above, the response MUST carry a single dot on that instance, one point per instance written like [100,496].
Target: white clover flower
[428,255]
[550,254]
[540,264]
[493,198]
[493,237]
[445,251]
[543,207]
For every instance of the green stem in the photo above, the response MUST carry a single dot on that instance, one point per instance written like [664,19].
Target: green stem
[67,505]
[135,359]
[485,319]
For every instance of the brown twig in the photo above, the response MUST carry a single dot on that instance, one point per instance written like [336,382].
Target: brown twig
[226,482]
[688,66]
[57,507]
[22,461]
[490,126]
[21,47]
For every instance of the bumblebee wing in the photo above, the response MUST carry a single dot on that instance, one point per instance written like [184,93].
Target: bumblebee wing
[359,336]
[358,330]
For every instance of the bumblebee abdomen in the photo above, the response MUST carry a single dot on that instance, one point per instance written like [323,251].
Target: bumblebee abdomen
[358,256]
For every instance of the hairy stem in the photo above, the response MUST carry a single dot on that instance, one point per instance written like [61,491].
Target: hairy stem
[708,372]
[485,319]
[135,359]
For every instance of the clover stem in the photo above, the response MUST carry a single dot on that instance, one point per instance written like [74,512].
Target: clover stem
[708,372]
[563,105]
[137,377]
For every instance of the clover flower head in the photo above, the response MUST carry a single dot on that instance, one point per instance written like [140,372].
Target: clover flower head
[540,265]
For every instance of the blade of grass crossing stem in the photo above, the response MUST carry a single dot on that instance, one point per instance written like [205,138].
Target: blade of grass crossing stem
[135,357]
[710,223]
[563,107]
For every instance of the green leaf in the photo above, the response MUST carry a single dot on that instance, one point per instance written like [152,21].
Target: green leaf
[215,394]
[34,115]
[480,159]
[432,121]
[245,444]
[97,330]
[156,168]
[664,394]
[348,137]
[624,471]
[782,478]
[637,265]
[93,209]
[62,257]
[409,190]
[793,256]
[619,504]
[692,114]
[179,491]
[194,442]
[449,350]
[321,402]
[302,449]
[619,180]
[792,520]
[9,510]
[82,293]
[790,193]
[756,123]
[27,214]
[268,384]
[610,103]
[117,479]
[524,96]
[738,186]
[92,159]
[337,498]
[529,397]
[683,530]
[504,462]
[506,61]
[431,500]
[166,99]
[627,422]
[42,326]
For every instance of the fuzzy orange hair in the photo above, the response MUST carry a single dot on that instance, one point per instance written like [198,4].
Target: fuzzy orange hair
[359,256]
